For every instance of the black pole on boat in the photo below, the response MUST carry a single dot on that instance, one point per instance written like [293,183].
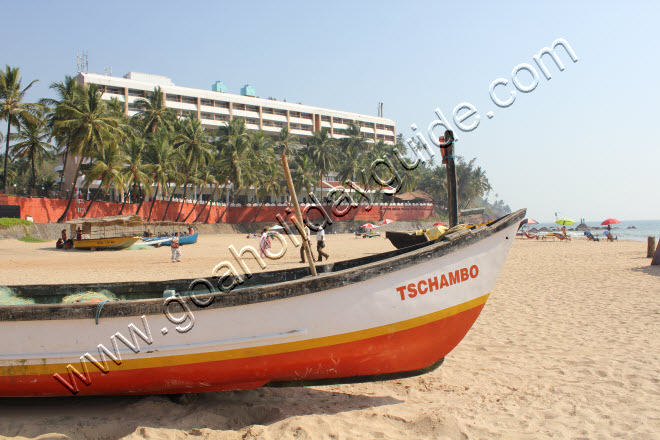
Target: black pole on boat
[447,150]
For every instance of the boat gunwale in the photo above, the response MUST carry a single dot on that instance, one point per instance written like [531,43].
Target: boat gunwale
[270,292]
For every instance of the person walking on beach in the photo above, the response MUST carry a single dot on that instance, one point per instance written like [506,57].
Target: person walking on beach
[176,249]
[320,244]
[302,248]
[264,243]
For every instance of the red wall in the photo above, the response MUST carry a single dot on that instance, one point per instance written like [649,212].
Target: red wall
[45,210]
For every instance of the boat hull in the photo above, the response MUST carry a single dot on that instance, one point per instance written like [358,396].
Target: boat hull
[105,243]
[166,241]
[399,315]
[402,240]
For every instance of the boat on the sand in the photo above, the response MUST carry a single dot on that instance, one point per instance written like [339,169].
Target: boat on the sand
[384,316]
[113,232]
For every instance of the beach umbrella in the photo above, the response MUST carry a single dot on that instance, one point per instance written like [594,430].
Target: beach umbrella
[276,227]
[438,224]
[368,225]
[610,221]
[565,221]
[387,221]
[529,221]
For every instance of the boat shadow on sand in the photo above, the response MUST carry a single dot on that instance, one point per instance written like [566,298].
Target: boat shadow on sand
[119,416]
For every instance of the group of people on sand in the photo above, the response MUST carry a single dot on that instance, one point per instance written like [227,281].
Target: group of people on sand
[265,244]
[64,243]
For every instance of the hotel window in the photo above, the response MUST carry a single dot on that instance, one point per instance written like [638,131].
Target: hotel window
[279,124]
[175,98]
[268,123]
[207,102]
[306,127]
[268,111]
[325,118]
[239,106]
[294,114]
[189,100]
[221,117]
[207,115]
[306,115]
[280,112]
[222,104]
[252,108]
[134,92]
[115,90]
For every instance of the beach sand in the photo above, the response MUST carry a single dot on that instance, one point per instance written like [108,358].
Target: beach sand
[565,348]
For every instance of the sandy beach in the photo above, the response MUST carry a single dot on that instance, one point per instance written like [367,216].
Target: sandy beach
[565,348]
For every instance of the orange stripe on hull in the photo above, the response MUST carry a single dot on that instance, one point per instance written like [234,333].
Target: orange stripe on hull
[405,350]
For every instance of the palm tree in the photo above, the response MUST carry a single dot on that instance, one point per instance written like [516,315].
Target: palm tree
[162,159]
[270,179]
[304,173]
[107,165]
[33,143]
[12,108]
[66,92]
[235,154]
[137,171]
[324,152]
[89,125]
[205,177]
[154,114]
[192,141]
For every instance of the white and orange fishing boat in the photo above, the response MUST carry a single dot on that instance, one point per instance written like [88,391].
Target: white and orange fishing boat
[390,315]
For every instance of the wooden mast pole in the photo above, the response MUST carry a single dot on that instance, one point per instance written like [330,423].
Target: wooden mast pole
[298,222]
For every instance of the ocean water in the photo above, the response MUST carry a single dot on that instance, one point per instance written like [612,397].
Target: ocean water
[643,229]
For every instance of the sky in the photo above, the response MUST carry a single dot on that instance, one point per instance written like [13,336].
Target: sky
[580,145]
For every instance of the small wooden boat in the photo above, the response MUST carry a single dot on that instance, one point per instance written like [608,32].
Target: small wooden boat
[105,243]
[166,241]
[402,240]
[379,317]
[114,232]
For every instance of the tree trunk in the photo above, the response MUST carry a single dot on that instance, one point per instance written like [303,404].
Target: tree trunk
[123,203]
[153,201]
[66,157]
[196,202]
[98,190]
[34,175]
[75,179]
[208,214]
[207,202]
[185,191]
[227,207]
[169,201]
[4,180]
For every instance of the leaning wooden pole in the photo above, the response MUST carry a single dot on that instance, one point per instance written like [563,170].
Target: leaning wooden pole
[448,159]
[298,222]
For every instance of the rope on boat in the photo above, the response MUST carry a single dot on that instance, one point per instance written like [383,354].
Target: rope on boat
[98,310]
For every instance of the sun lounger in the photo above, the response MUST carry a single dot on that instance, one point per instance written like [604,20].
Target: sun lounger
[610,236]
[590,236]
[562,237]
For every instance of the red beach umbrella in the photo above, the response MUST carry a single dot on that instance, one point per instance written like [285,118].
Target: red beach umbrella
[387,221]
[368,225]
[610,221]
[529,221]
[438,224]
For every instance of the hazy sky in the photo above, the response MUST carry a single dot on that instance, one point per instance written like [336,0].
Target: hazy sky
[582,144]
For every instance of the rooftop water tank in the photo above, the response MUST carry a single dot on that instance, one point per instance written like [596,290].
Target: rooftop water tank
[219,86]
[248,90]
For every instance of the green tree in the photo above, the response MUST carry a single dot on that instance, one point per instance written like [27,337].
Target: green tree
[107,166]
[154,114]
[162,159]
[66,92]
[235,154]
[324,152]
[136,170]
[89,125]
[12,108]
[32,143]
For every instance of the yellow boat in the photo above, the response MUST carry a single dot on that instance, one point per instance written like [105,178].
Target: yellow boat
[105,243]
[116,232]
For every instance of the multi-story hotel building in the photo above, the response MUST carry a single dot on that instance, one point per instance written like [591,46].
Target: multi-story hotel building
[216,107]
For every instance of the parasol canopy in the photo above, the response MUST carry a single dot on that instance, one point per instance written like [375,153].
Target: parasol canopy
[610,221]
[387,221]
[369,225]
[529,221]
[277,227]
[565,221]
[438,224]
